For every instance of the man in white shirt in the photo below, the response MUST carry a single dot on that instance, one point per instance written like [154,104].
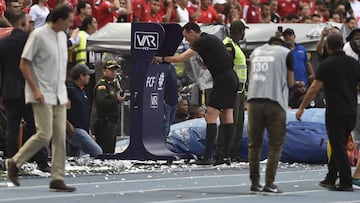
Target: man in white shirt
[43,65]
[182,11]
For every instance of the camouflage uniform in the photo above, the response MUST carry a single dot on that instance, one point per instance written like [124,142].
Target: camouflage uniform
[108,113]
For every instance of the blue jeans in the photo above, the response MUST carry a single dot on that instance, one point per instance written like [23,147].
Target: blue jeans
[169,117]
[79,141]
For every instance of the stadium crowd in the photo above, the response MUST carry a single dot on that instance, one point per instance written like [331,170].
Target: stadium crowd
[199,11]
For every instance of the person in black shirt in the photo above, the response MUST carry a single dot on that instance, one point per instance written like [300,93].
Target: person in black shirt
[78,136]
[321,49]
[182,111]
[222,98]
[339,86]
[12,89]
[298,93]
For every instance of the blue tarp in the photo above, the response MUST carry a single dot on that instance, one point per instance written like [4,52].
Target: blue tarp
[305,141]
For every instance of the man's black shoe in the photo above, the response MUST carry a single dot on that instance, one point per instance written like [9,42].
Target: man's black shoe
[341,187]
[255,189]
[204,162]
[222,161]
[237,159]
[44,167]
[271,189]
[327,184]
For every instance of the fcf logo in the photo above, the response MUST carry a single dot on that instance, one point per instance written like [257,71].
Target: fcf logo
[146,40]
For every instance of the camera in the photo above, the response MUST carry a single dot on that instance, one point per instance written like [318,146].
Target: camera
[328,26]
[280,29]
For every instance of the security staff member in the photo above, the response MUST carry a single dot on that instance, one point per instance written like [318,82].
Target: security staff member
[89,27]
[107,93]
[271,73]
[237,33]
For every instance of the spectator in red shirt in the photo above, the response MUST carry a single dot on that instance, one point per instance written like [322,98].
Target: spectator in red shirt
[169,12]
[251,12]
[155,13]
[106,12]
[52,3]
[287,7]
[73,3]
[164,14]
[244,2]
[25,5]
[94,6]
[208,14]
[83,10]
[124,12]
[194,8]
[141,11]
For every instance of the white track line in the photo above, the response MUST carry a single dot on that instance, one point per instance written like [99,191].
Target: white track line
[70,195]
[232,197]
[160,179]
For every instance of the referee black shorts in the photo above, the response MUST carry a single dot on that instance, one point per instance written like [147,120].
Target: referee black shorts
[223,94]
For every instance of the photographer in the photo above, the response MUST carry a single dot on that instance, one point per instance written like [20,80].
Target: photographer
[321,49]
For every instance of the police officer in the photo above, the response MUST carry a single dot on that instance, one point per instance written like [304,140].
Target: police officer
[237,33]
[108,96]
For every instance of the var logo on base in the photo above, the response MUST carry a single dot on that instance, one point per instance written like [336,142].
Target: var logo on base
[154,100]
[146,40]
